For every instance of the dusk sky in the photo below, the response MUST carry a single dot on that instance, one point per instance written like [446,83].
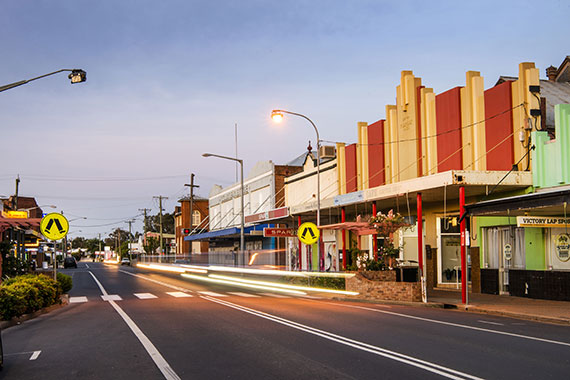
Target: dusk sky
[168,80]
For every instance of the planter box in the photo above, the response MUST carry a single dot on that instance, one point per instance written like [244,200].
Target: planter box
[382,285]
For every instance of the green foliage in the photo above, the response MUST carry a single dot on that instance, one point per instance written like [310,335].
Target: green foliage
[26,294]
[65,282]
[13,266]
[151,245]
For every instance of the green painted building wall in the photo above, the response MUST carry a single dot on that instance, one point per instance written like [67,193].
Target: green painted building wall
[550,158]
[533,237]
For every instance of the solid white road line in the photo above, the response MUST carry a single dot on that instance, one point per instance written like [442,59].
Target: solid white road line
[35,355]
[77,299]
[145,296]
[179,294]
[155,355]
[455,324]
[247,295]
[213,294]
[406,359]
[491,323]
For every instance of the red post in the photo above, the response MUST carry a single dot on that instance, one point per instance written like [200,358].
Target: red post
[374,237]
[343,219]
[420,235]
[463,261]
[300,250]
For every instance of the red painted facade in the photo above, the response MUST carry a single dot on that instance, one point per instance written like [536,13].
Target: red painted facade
[498,127]
[351,170]
[448,118]
[376,172]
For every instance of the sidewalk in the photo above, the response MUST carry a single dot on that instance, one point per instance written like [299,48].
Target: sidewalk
[516,307]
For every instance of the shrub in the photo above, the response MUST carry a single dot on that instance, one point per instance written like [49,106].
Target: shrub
[65,282]
[29,293]
[12,303]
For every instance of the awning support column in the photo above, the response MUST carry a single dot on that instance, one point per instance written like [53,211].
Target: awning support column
[375,236]
[343,219]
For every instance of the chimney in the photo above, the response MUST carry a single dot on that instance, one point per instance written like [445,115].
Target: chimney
[551,73]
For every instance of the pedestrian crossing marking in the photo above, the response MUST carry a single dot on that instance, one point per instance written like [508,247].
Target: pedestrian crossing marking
[77,299]
[112,297]
[179,294]
[145,296]
[213,294]
[247,295]
[275,295]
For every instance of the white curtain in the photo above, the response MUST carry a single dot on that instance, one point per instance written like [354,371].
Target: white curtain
[492,245]
[519,256]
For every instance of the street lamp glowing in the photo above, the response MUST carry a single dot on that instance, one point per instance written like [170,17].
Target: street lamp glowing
[277,116]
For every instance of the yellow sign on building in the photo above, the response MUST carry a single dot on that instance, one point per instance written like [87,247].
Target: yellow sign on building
[308,233]
[54,226]
[15,214]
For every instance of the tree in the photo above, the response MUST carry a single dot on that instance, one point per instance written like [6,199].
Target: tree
[151,245]
[116,235]
[167,223]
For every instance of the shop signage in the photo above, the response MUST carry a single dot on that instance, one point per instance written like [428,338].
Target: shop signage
[15,214]
[267,215]
[542,221]
[508,251]
[350,198]
[563,247]
[278,232]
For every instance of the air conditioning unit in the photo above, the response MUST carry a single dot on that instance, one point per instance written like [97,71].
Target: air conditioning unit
[327,152]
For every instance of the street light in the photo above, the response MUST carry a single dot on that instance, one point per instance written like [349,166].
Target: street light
[241,244]
[76,76]
[277,116]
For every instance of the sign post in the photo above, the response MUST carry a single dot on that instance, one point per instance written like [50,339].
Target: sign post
[54,227]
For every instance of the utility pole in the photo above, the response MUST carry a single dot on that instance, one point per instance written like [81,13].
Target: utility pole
[15,202]
[192,186]
[99,245]
[160,198]
[130,222]
[144,210]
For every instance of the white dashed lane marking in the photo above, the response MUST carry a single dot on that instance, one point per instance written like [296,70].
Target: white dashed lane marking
[145,296]
[111,297]
[179,294]
[274,295]
[77,299]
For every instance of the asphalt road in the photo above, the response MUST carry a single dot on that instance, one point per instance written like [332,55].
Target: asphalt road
[127,323]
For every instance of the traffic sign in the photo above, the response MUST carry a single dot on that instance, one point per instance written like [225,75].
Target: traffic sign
[308,233]
[54,226]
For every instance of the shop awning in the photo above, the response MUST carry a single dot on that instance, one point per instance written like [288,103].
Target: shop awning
[24,223]
[228,232]
[543,202]
[360,228]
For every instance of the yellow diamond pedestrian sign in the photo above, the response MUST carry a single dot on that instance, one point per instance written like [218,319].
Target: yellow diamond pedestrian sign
[308,233]
[54,226]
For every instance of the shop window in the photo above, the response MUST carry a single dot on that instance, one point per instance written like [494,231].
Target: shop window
[504,247]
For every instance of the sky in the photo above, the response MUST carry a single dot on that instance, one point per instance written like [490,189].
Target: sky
[168,81]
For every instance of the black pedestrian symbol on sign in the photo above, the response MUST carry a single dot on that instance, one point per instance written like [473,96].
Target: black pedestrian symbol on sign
[57,224]
[305,233]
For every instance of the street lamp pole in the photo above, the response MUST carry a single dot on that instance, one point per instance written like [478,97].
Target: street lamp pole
[76,76]
[277,115]
[241,242]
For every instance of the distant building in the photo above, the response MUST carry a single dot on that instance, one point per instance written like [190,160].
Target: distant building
[198,223]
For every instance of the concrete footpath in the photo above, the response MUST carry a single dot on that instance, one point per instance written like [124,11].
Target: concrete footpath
[516,307]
